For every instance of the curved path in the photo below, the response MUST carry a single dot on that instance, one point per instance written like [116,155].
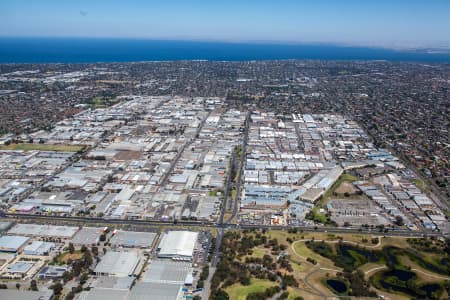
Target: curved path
[437,276]
[431,274]
[374,269]
[333,242]
[317,291]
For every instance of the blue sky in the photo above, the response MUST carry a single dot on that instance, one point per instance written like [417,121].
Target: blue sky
[385,23]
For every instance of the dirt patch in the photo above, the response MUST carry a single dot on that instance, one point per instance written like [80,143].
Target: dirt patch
[128,155]
[346,187]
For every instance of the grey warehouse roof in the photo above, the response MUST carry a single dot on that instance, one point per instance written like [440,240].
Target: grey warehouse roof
[133,239]
[12,243]
[11,294]
[118,263]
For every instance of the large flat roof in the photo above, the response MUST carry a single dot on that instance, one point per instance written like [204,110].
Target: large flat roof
[177,243]
[38,247]
[118,263]
[44,230]
[12,243]
[104,294]
[20,267]
[133,239]
[87,236]
[167,271]
[11,294]
[154,291]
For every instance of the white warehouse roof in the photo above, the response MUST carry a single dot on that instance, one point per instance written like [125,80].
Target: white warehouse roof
[177,244]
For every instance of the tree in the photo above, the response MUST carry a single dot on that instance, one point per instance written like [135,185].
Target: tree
[103,237]
[94,250]
[87,259]
[83,278]
[70,296]
[244,280]
[71,248]
[399,220]
[67,276]
[33,285]
[57,288]
[220,295]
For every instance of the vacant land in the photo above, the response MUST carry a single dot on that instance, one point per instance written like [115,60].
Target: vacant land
[65,257]
[43,147]
[346,187]
[128,155]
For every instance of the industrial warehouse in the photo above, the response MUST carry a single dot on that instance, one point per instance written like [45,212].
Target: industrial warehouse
[131,265]
[178,245]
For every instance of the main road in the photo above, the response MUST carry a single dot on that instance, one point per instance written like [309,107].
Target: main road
[241,168]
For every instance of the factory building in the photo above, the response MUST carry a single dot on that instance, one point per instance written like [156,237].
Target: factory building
[178,245]
[12,243]
[38,248]
[120,264]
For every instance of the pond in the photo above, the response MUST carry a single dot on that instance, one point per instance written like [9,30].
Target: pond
[430,288]
[338,286]
[402,275]
[355,256]
[396,280]
[392,255]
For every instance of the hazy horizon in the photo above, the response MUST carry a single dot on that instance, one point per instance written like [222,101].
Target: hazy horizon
[388,24]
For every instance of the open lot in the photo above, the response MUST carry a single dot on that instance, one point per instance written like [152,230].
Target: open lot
[63,258]
[346,187]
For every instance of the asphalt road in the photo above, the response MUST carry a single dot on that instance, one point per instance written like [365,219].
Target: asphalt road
[241,169]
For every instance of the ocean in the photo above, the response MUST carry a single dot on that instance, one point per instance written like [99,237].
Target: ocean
[89,50]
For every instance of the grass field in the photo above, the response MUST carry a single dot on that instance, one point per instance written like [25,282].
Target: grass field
[100,102]
[42,147]
[294,292]
[305,252]
[420,184]
[64,257]
[259,252]
[240,292]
